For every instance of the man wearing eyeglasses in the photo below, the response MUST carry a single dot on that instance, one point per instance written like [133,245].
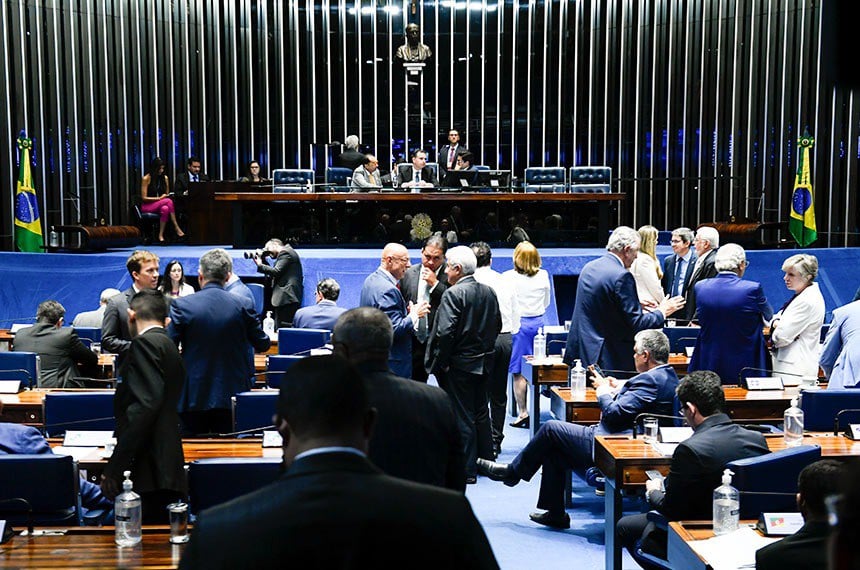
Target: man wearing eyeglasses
[678,267]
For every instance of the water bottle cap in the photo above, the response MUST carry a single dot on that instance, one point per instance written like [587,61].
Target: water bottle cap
[794,402]
[727,477]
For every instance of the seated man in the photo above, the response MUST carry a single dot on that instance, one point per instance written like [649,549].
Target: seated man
[324,314]
[94,318]
[416,175]
[697,464]
[807,548]
[366,177]
[59,348]
[559,446]
[464,165]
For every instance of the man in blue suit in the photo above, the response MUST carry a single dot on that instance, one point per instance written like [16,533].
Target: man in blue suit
[380,291]
[607,313]
[559,446]
[840,357]
[324,314]
[217,331]
[678,267]
[731,312]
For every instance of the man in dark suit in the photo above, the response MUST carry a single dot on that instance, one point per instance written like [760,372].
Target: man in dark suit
[218,332]
[333,508]
[678,267]
[707,243]
[732,312]
[380,290]
[559,446]
[807,548]
[351,157]
[59,348]
[697,464]
[425,282]
[147,425]
[416,175]
[116,337]
[447,157]
[607,313]
[192,173]
[461,343]
[323,314]
[287,280]
[236,287]
[416,435]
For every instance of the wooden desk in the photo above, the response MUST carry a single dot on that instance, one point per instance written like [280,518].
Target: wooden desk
[23,407]
[6,339]
[553,372]
[741,405]
[624,460]
[90,547]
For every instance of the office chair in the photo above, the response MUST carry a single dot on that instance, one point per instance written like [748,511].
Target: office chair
[254,411]
[77,411]
[295,341]
[217,480]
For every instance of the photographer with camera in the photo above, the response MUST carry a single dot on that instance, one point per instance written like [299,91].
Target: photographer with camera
[286,274]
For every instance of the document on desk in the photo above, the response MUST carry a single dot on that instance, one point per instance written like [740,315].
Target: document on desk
[731,551]
[79,453]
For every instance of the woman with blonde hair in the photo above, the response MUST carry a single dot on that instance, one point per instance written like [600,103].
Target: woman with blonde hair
[646,269]
[531,286]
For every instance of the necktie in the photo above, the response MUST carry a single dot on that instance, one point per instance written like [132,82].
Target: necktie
[451,154]
[194,178]
[417,176]
[676,282]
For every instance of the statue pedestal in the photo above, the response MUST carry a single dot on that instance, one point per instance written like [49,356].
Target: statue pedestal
[413,68]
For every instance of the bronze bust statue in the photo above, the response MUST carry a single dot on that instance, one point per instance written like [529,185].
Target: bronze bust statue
[413,51]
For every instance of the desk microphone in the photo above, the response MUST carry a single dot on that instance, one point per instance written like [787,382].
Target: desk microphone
[650,415]
[742,379]
[839,416]
[28,507]
[245,431]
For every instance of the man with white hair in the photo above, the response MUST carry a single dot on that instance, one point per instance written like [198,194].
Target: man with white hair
[731,312]
[607,313]
[706,243]
[460,345]
[94,318]
[351,157]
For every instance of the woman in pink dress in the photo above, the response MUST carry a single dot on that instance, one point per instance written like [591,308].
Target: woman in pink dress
[155,196]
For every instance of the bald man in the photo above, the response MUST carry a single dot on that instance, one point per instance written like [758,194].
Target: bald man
[380,291]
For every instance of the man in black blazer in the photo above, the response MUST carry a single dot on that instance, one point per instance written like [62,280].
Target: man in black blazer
[447,156]
[459,349]
[192,173]
[417,175]
[678,267]
[697,464]
[416,435]
[116,336]
[425,281]
[351,157]
[807,548]
[707,242]
[59,349]
[147,423]
[333,508]
[287,280]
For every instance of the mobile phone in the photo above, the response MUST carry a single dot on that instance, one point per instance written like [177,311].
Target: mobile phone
[596,369]
[654,475]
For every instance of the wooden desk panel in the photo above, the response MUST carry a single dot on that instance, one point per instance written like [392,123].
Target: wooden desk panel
[417,197]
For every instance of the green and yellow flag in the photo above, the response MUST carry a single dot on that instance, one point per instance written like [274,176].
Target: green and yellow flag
[28,226]
[801,224]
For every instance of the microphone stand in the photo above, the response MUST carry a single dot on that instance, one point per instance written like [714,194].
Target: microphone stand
[839,416]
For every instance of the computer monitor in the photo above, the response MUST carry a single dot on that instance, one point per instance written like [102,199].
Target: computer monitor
[494,179]
[460,179]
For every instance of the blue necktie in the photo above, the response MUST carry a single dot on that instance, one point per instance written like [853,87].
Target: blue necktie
[676,282]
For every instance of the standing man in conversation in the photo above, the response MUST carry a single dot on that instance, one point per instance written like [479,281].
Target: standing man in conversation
[287,280]
[707,242]
[678,267]
[607,313]
[425,282]
[116,336]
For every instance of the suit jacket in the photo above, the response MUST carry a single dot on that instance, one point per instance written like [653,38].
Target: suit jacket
[363,180]
[669,264]
[336,510]
[795,332]
[90,318]
[243,292]
[116,336]
[287,280]
[697,467]
[442,158]
[706,270]
[183,179]
[323,315]
[147,426]
[606,316]
[59,350]
[465,330]
[644,271]
[840,357]
[732,312]
[650,391]
[807,548]
[416,435]
[409,289]
[405,173]
[379,290]
[351,159]
[217,331]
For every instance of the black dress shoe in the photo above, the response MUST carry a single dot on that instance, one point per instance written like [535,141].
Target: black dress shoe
[552,520]
[498,472]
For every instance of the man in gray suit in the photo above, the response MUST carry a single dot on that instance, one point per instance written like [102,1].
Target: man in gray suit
[59,348]
[366,177]
[94,318]
[142,265]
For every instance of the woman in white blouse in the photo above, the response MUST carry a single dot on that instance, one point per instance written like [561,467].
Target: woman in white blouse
[796,329]
[646,269]
[173,281]
[531,286]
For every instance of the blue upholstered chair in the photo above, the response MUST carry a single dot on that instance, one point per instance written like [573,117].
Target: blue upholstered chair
[23,366]
[93,334]
[147,222]
[254,410]
[294,341]
[77,411]
[335,178]
[218,480]
[545,179]
[291,180]
[821,406]
[590,179]
[257,290]
[49,483]
[277,365]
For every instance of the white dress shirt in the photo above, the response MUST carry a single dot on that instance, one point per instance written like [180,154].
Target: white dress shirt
[505,295]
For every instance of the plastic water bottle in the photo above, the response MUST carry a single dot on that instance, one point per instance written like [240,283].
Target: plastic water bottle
[539,346]
[127,513]
[269,324]
[53,238]
[577,379]
[727,506]
[793,425]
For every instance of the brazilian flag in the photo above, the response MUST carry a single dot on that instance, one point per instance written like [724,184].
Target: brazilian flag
[801,223]
[28,226]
